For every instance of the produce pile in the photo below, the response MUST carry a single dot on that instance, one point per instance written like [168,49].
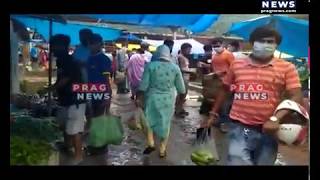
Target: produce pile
[28,151]
[38,129]
[203,158]
[31,138]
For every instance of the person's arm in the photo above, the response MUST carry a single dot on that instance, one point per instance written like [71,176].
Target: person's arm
[178,82]
[220,97]
[293,89]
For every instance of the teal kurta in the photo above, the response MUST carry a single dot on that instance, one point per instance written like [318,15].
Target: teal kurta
[159,82]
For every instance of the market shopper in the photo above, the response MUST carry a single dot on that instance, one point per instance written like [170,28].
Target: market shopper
[156,95]
[234,47]
[122,60]
[147,54]
[71,115]
[135,70]
[82,52]
[220,64]
[252,132]
[184,67]
[99,68]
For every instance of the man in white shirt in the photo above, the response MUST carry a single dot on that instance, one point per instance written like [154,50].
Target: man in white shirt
[146,54]
[82,52]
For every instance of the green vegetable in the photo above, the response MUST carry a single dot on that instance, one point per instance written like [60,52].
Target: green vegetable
[29,152]
[39,129]
[203,157]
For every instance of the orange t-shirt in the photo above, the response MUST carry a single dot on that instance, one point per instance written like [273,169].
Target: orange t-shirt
[258,88]
[221,62]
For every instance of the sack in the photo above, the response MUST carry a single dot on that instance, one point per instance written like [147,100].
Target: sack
[204,149]
[106,129]
[120,76]
[138,121]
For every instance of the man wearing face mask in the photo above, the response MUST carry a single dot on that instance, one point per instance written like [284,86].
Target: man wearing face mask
[258,83]
[220,64]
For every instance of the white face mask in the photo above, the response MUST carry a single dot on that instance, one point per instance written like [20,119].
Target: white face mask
[219,49]
[263,50]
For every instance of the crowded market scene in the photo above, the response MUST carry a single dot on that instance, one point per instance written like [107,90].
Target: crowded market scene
[159,89]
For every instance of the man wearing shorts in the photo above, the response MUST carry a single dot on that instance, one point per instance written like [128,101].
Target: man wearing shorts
[71,115]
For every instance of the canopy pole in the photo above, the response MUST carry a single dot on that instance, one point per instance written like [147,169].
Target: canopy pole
[280,54]
[50,65]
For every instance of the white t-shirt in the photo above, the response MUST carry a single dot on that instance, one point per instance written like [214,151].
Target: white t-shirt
[147,56]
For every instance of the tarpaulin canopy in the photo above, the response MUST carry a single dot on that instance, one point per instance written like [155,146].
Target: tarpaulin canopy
[197,47]
[129,37]
[195,23]
[294,32]
[41,26]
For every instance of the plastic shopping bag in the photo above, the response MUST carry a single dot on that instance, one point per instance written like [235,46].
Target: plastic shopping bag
[106,129]
[138,121]
[204,148]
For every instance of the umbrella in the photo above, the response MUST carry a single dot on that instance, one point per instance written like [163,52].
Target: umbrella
[294,32]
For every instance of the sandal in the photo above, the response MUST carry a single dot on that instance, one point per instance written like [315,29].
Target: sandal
[149,150]
[163,154]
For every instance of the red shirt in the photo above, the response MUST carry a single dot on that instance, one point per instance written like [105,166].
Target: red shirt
[258,88]
[221,62]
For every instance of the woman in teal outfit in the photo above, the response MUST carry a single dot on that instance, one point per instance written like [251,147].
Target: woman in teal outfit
[156,95]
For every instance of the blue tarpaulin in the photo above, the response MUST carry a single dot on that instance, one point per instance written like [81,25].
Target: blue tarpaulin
[42,27]
[195,23]
[294,32]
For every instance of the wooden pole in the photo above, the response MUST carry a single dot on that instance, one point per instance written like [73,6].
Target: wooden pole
[50,65]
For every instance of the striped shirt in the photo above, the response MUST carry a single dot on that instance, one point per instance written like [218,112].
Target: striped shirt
[258,88]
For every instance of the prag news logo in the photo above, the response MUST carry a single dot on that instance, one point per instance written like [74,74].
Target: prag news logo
[278,4]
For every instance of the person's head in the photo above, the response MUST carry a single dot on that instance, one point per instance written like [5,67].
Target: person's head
[186,49]
[59,44]
[234,46]
[163,53]
[207,49]
[169,43]
[145,46]
[140,51]
[95,43]
[264,41]
[84,35]
[217,45]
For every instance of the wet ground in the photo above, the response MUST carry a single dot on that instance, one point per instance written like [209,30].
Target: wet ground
[180,144]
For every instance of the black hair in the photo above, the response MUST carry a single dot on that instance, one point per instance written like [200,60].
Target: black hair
[217,41]
[95,38]
[263,32]
[60,40]
[85,31]
[235,44]
[185,46]
[168,42]
[144,45]
[207,47]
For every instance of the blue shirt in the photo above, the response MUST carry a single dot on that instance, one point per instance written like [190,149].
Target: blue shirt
[96,66]
[81,53]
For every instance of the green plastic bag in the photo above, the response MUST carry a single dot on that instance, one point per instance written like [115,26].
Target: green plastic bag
[106,129]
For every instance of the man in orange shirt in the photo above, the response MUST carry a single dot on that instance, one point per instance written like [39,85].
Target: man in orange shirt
[258,83]
[220,64]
